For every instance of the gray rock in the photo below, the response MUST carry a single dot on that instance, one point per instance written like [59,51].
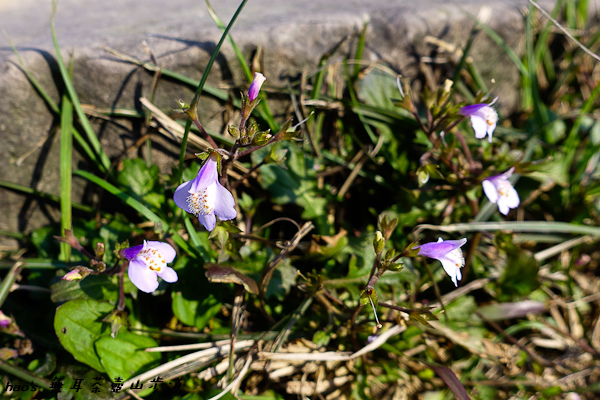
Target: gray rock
[292,34]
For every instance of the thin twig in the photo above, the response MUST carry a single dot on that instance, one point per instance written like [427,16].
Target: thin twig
[336,356]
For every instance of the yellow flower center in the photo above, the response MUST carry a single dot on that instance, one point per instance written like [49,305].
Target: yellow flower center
[503,188]
[202,202]
[457,256]
[153,259]
[491,117]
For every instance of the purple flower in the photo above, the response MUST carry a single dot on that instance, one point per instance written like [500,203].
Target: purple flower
[205,197]
[500,191]
[148,261]
[483,118]
[255,86]
[448,253]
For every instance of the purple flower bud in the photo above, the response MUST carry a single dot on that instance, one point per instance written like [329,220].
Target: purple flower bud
[255,86]
[4,320]
[73,275]
[205,197]
[483,118]
[147,262]
[500,191]
[448,253]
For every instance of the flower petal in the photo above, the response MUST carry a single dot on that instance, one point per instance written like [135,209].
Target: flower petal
[168,275]
[479,126]
[181,195]
[467,111]
[490,131]
[167,251]
[490,191]
[506,174]
[142,277]
[131,252]
[512,198]
[452,270]
[503,207]
[209,221]
[439,249]
[224,204]
[206,176]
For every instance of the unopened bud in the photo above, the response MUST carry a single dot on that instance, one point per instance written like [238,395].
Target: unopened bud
[233,131]
[100,250]
[378,242]
[255,86]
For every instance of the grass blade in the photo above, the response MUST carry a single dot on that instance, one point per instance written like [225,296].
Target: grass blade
[8,281]
[515,226]
[103,160]
[500,42]
[43,195]
[53,106]
[24,374]
[194,103]
[263,107]
[137,206]
[66,156]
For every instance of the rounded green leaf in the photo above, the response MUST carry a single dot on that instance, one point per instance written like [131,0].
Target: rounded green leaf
[78,324]
[124,356]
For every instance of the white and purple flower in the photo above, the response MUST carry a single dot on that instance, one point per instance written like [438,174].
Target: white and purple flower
[499,190]
[205,197]
[255,86]
[147,262]
[448,253]
[483,118]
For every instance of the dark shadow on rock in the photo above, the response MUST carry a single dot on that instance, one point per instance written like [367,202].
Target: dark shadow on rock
[26,210]
[52,66]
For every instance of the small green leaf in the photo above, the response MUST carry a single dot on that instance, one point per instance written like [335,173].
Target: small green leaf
[97,287]
[78,324]
[137,177]
[195,312]
[124,356]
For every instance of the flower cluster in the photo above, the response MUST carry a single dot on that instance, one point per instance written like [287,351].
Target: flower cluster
[203,196]
[497,188]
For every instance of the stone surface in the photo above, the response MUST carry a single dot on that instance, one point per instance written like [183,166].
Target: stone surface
[293,35]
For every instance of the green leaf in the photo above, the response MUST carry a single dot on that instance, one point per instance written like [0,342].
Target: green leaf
[78,324]
[297,184]
[194,312]
[283,278]
[96,287]
[138,177]
[124,356]
[377,89]
[520,275]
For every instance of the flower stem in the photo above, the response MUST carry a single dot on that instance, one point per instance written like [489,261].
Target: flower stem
[121,303]
[204,134]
